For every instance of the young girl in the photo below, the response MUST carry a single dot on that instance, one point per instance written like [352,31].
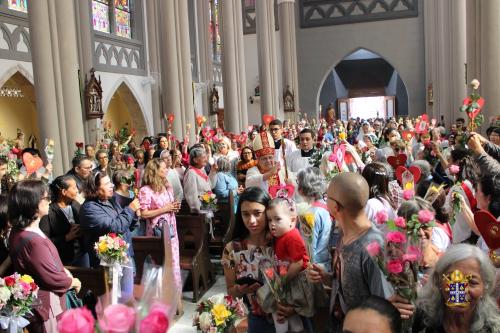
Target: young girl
[289,246]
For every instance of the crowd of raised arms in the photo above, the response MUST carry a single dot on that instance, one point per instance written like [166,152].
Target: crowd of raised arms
[368,224]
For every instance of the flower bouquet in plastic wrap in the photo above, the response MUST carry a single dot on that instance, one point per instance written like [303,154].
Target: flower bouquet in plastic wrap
[18,294]
[218,313]
[112,250]
[208,206]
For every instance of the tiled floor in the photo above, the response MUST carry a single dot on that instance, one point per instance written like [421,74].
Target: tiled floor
[184,324]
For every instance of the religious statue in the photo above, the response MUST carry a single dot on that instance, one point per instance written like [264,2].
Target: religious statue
[93,96]
[288,100]
[214,100]
[330,114]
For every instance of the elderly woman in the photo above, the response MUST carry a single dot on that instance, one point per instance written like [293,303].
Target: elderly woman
[173,176]
[196,181]
[34,254]
[226,182]
[100,214]
[224,149]
[478,313]
[311,187]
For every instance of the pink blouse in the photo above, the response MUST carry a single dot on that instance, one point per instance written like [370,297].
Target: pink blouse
[151,200]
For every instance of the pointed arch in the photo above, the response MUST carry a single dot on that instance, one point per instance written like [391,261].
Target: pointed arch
[18,68]
[123,89]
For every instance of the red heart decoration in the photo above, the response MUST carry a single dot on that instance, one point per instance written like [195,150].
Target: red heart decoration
[407,135]
[338,155]
[489,228]
[267,118]
[31,163]
[414,170]
[207,133]
[474,112]
[281,191]
[396,161]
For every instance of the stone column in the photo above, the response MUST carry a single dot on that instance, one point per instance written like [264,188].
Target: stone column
[85,52]
[446,54]
[55,65]
[268,63]
[233,67]
[204,52]
[153,48]
[286,9]
[490,58]
[176,70]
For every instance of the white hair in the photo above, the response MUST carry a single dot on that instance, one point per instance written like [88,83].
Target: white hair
[430,299]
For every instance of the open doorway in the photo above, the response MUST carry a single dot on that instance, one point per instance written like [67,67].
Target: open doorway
[363,85]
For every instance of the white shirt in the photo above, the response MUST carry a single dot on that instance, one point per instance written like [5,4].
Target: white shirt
[290,147]
[440,239]
[174,180]
[256,178]
[374,205]
[460,229]
[296,162]
[194,186]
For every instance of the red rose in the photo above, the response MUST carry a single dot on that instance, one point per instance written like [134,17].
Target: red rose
[395,266]
[112,235]
[9,281]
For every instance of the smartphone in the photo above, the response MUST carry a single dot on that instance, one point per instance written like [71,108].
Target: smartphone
[247,280]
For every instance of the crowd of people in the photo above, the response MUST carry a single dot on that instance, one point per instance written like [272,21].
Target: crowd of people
[348,174]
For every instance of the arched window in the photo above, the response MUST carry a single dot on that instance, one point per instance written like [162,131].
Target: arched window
[112,16]
[18,5]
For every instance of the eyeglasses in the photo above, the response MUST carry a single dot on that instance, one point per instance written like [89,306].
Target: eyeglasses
[46,198]
[274,129]
[336,202]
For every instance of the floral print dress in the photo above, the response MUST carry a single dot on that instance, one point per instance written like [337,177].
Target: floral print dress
[151,200]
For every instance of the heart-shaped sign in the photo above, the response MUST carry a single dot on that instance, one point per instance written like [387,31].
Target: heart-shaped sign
[396,161]
[207,133]
[489,228]
[476,111]
[281,191]
[407,135]
[267,118]
[414,170]
[338,155]
[31,163]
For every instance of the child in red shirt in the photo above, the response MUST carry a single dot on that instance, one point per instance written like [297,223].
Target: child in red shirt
[289,246]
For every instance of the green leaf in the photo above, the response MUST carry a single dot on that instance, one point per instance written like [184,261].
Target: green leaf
[391,226]
[463,108]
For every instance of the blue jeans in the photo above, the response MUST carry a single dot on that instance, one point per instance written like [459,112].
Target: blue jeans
[127,282]
[259,324]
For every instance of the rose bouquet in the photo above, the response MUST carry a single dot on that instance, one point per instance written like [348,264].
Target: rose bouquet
[17,296]
[218,313]
[111,248]
[208,201]
[400,254]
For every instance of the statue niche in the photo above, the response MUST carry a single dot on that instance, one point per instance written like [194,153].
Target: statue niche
[93,96]
[214,101]
[288,100]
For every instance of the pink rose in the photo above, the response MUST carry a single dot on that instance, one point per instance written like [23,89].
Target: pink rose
[454,169]
[395,266]
[78,320]
[381,217]
[117,318]
[414,250]
[400,222]
[425,216]
[156,321]
[396,237]
[408,194]
[409,257]
[373,249]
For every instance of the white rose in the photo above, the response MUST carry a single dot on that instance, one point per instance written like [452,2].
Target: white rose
[475,84]
[4,294]
[217,299]
[205,321]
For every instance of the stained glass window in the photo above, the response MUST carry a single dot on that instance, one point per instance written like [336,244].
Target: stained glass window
[122,19]
[122,4]
[100,15]
[214,30]
[19,5]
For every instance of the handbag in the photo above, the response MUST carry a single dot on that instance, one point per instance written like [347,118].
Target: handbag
[72,300]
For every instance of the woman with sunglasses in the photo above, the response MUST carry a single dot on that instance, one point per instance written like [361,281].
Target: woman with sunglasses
[34,254]
[100,214]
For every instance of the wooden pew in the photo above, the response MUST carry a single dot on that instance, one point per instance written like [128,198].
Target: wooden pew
[193,248]
[93,279]
[223,223]
[144,246]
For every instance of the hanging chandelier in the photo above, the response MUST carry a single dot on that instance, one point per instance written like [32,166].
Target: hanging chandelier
[11,92]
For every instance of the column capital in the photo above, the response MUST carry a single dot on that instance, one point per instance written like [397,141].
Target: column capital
[284,1]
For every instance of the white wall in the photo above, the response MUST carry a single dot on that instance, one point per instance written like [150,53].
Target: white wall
[399,41]
[252,74]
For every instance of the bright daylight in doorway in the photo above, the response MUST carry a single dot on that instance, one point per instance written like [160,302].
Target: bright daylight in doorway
[367,107]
